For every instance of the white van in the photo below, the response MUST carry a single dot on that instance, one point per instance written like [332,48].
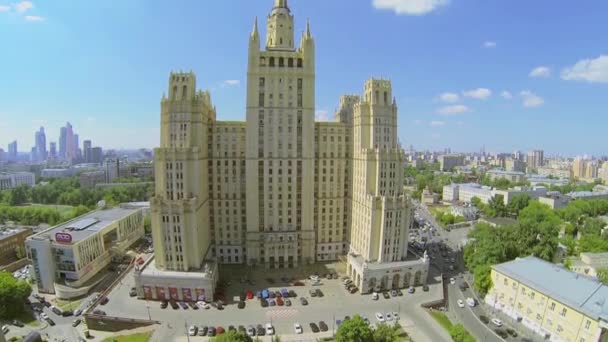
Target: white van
[470,302]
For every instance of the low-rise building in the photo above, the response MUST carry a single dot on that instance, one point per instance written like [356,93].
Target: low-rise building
[57,173]
[10,240]
[512,176]
[90,179]
[588,195]
[429,197]
[515,165]
[562,172]
[466,192]
[589,263]
[66,257]
[9,180]
[556,303]
[555,200]
[469,213]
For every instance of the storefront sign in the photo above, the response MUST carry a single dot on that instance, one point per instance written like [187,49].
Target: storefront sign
[187,295]
[173,293]
[160,293]
[200,294]
[63,237]
[147,292]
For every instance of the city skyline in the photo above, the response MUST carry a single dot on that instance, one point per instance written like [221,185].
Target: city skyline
[455,89]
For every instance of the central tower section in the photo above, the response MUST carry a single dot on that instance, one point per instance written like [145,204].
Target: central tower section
[280,144]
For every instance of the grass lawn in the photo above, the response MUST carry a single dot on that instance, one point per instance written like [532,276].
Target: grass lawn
[67,305]
[63,209]
[140,337]
[442,319]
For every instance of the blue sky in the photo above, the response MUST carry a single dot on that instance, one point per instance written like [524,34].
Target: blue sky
[505,74]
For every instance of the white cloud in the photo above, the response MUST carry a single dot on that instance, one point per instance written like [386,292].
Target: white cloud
[436,123]
[23,6]
[531,100]
[479,93]
[5,8]
[231,83]
[410,7]
[590,70]
[33,18]
[541,71]
[489,44]
[449,97]
[453,110]
[506,95]
[322,115]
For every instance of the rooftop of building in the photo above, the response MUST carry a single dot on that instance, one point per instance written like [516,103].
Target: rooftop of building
[579,292]
[205,272]
[8,232]
[88,224]
[503,172]
[580,194]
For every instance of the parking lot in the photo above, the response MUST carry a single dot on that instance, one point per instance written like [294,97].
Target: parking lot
[335,304]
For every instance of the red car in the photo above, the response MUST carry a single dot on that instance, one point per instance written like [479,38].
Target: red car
[249,294]
[219,330]
[279,301]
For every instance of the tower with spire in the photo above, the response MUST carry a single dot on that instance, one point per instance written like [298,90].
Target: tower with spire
[280,141]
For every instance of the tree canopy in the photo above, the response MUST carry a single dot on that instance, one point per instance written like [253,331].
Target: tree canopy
[13,294]
[357,330]
[232,336]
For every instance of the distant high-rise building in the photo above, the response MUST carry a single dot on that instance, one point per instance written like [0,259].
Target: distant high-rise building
[12,150]
[40,138]
[70,144]
[535,159]
[583,168]
[53,150]
[86,151]
[33,154]
[63,136]
[518,155]
[96,155]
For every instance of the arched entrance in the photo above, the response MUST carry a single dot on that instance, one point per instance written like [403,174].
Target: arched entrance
[417,278]
[371,283]
[384,282]
[406,280]
[396,279]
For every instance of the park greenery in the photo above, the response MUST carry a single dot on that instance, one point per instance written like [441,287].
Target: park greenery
[356,329]
[536,232]
[65,191]
[446,218]
[457,332]
[497,208]
[430,177]
[13,293]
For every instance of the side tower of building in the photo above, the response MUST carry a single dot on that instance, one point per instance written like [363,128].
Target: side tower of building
[180,208]
[381,212]
[279,144]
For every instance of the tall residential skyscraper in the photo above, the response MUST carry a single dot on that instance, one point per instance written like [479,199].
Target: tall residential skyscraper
[535,159]
[86,151]
[53,150]
[278,190]
[12,150]
[40,148]
[96,155]
[70,143]
[63,136]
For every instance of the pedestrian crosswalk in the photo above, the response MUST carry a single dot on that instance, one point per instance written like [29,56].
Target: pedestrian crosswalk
[281,313]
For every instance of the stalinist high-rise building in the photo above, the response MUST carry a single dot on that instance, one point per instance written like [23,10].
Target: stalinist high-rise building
[278,190]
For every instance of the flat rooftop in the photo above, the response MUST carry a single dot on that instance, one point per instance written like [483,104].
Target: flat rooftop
[8,232]
[88,224]
[579,292]
[150,270]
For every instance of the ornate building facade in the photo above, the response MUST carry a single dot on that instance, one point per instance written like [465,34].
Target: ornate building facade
[278,190]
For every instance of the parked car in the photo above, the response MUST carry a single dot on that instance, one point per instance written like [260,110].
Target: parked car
[497,322]
[241,305]
[396,316]
[164,304]
[269,329]
[303,301]
[133,292]
[104,300]
[353,289]
[484,319]
[280,301]
[314,328]
[425,288]
[394,293]
[388,317]
[50,321]
[67,313]
[211,331]
[297,328]
[78,312]
[460,303]
[471,302]
[202,330]
[501,333]
[379,317]
[183,305]
[411,289]
[5,329]
[264,303]
[174,305]
[260,331]
[231,328]
[18,324]
[99,312]
[250,330]
[287,302]
[386,295]
[319,293]
[292,294]
[512,332]
[323,327]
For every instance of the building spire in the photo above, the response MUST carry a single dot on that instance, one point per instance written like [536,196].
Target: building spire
[308,34]
[280,4]
[254,33]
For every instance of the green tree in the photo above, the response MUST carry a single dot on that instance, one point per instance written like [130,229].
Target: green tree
[354,330]
[460,334]
[517,203]
[497,206]
[602,275]
[592,226]
[232,336]
[148,224]
[483,280]
[13,294]
[18,195]
[20,252]
[387,333]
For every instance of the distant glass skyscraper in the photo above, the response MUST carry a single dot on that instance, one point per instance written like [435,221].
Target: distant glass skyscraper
[62,142]
[12,150]
[86,151]
[40,148]
[53,150]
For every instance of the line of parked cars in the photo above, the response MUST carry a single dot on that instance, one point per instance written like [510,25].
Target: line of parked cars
[259,330]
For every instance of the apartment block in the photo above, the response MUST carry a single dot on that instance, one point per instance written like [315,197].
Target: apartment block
[14,179]
[512,176]
[450,161]
[555,303]
[10,240]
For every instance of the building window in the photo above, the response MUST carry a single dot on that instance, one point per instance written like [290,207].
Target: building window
[588,324]
[262,82]
[563,313]
[271,61]
[552,308]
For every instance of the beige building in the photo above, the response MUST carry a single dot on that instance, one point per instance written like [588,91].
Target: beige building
[429,197]
[10,240]
[515,165]
[277,190]
[585,169]
[589,263]
[534,160]
[511,176]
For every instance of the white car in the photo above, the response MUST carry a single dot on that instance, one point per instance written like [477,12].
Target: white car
[497,322]
[44,315]
[379,317]
[375,296]
[297,328]
[4,329]
[269,329]
[395,316]
[460,303]
[388,317]
[314,277]
[452,281]
[471,302]
[192,330]
[203,305]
